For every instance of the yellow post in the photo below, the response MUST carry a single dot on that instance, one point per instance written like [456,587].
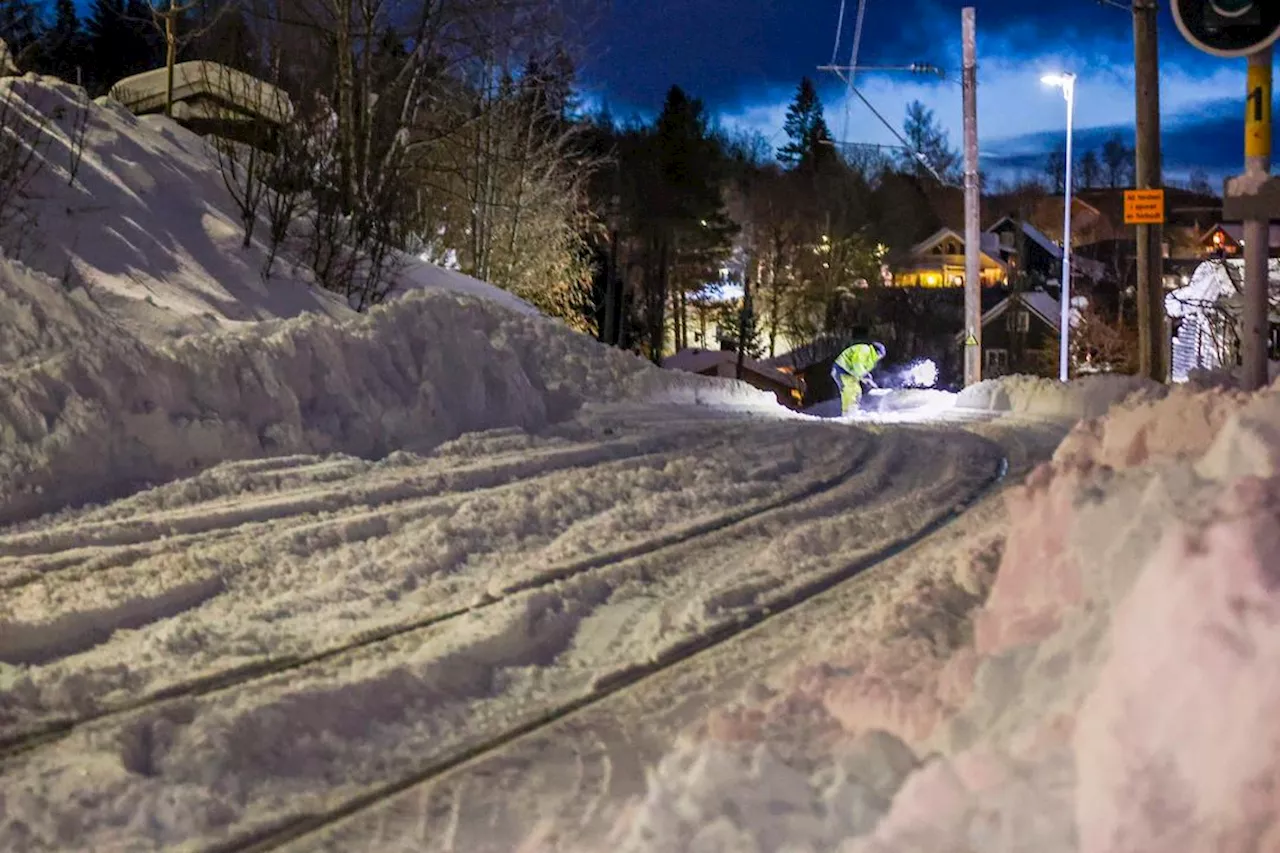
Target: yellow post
[1256,314]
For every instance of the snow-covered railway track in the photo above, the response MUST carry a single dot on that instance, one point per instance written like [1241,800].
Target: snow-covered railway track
[297,833]
[624,456]
[274,755]
[103,540]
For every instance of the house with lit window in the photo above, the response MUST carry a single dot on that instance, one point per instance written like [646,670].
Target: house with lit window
[939,262]
[1226,240]
[1012,249]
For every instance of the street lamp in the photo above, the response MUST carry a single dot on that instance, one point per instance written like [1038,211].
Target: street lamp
[1067,82]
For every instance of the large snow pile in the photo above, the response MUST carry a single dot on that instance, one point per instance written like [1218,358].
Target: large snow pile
[97,419]
[1115,692]
[1087,397]
[130,219]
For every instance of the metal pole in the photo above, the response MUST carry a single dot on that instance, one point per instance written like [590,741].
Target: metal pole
[1147,175]
[972,206]
[1255,320]
[1064,344]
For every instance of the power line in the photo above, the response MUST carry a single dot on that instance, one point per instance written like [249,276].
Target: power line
[853,62]
[835,49]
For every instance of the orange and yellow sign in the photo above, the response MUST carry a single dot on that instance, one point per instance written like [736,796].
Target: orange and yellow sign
[1144,207]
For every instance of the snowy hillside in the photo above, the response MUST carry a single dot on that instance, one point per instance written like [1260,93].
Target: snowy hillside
[130,217]
[103,392]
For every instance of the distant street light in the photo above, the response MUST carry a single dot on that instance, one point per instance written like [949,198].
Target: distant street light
[1067,82]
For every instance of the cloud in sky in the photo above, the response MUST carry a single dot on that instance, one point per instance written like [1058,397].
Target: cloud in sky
[744,58]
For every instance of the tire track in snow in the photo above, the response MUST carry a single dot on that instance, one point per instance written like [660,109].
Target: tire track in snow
[300,827]
[70,545]
[49,732]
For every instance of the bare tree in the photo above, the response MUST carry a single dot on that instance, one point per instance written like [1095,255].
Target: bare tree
[250,166]
[506,187]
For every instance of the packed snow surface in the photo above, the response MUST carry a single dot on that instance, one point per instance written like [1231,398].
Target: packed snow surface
[131,218]
[1099,676]
[1087,397]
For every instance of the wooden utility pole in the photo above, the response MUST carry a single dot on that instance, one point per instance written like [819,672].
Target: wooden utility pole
[1256,314]
[972,206]
[1148,175]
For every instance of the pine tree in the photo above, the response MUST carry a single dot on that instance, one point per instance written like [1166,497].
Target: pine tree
[63,53]
[20,27]
[930,142]
[806,126]
[120,41]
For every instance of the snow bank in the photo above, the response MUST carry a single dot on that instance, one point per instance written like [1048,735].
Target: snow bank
[131,219]
[418,274]
[1086,397]
[1118,687]
[95,420]
[135,211]
[1129,647]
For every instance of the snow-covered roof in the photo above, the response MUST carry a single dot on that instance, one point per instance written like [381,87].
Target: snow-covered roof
[1213,281]
[145,92]
[702,361]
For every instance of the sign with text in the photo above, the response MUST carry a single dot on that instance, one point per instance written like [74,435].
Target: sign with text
[1144,207]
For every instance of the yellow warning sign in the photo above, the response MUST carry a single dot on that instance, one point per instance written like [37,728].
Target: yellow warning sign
[971,341]
[1144,207]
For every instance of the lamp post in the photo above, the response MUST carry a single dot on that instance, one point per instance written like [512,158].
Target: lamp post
[1067,82]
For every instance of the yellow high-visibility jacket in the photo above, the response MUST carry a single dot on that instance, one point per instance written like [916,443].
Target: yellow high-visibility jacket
[858,360]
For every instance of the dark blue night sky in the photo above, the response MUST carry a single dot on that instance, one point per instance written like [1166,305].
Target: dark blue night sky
[744,58]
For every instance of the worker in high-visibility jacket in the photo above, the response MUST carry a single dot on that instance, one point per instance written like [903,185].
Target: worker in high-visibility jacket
[852,371]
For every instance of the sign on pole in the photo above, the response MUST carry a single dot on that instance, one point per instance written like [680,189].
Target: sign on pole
[1144,207]
[1257,121]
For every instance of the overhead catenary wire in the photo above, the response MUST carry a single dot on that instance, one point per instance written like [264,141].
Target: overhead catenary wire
[853,62]
[835,49]
[851,89]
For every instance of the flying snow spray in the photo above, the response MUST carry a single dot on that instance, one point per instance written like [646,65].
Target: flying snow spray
[919,374]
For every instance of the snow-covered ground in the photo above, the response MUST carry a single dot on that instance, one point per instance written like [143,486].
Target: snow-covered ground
[450,576]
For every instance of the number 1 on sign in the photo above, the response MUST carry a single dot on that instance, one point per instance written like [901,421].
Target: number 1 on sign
[1256,100]
[1257,125]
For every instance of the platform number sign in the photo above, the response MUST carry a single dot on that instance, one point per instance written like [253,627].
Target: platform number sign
[1257,127]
